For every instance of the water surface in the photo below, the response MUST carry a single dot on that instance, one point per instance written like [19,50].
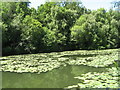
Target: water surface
[57,78]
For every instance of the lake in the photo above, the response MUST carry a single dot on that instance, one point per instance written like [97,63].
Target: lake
[56,78]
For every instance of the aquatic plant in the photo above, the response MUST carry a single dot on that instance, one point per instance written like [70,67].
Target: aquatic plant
[108,79]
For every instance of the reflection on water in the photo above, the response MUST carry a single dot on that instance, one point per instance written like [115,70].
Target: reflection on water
[57,78]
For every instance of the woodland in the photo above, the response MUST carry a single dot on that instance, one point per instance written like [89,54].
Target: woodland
[57,26]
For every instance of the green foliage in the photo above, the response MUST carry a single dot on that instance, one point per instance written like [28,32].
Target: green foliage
[12,26]
[83,32]
[57,26]
[32,34]
[97,30]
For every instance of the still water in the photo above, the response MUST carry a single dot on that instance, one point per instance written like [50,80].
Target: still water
[57,78]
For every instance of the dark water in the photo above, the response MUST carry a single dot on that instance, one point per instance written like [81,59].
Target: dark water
[79,55]
[57,78]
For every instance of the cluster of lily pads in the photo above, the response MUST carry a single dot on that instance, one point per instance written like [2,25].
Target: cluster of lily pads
[34,63]
[96,61]
[108,79]
[38,63]
[44,62]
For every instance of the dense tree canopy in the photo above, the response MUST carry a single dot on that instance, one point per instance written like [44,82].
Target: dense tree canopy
[57,26]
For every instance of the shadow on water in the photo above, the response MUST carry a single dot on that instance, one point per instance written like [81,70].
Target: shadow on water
[57,78]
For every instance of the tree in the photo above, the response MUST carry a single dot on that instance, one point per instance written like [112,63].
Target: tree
[32,35]
[12,25]
[83,32]
[57,26]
